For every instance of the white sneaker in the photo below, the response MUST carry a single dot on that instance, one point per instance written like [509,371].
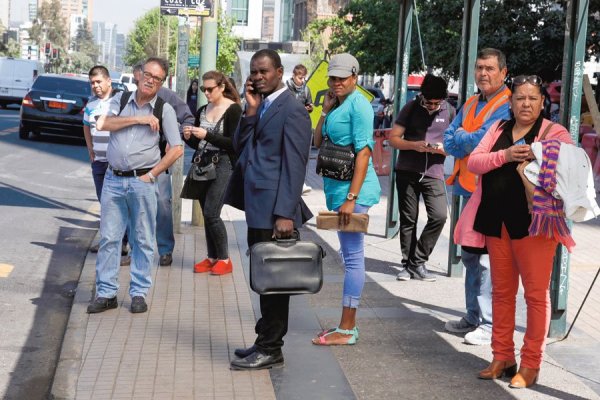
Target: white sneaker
[306,188]
[479,337]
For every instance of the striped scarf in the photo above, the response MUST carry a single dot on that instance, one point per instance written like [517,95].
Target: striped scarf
[548,216]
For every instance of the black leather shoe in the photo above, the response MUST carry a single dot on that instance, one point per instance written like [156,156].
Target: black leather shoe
[102,304]
[258,360]
[138,304]
[166,260]
[420,272]
[243,353]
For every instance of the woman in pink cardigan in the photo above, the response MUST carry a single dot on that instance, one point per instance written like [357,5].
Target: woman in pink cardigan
[504,218]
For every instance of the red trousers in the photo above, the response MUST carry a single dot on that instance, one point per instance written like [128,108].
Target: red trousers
[530,258]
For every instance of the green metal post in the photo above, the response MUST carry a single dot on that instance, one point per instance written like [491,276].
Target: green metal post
[208,62]
[468,55]
[183,41]
[570,106]
[400,83]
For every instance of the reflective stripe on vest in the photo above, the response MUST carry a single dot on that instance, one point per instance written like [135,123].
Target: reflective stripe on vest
[472,123]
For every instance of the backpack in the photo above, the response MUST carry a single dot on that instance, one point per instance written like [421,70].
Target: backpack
[157,112]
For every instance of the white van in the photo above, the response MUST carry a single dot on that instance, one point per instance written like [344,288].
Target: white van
[16,77]
[127,80]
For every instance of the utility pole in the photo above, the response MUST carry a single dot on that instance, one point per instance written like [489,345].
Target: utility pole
[208,61]
[181,71]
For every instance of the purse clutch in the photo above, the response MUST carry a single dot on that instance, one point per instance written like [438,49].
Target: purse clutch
[330,220]
[286,266]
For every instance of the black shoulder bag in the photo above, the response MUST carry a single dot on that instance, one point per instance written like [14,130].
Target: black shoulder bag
[336,162]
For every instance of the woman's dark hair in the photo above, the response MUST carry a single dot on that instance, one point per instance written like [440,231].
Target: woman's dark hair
[190,91]
[434,87]
[230,91]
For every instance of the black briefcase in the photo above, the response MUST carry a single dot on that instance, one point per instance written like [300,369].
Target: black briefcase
[286,266]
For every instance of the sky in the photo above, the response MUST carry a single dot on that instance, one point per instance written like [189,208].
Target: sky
[121,12]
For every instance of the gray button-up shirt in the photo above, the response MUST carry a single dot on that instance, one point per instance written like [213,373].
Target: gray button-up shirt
[136,146]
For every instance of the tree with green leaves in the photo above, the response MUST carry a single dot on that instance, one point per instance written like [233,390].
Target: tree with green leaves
[49,26]
[83,42]
[146,36]
[228,44]
[10,49]
[530,33]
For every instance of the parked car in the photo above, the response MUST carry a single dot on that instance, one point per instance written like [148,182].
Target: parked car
[379,104]
[119,87]
[16,77]
[127,80]
[54,105]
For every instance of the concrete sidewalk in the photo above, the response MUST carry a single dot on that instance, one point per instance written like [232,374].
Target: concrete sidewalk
[181,348]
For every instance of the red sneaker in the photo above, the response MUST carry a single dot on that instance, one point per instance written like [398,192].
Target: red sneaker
[222,267]
[203,266]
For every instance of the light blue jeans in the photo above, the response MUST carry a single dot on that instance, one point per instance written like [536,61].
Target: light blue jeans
[126,202]
[352,251]
[478,289]
[165,240]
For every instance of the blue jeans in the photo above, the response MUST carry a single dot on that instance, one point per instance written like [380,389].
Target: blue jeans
[165,240]
[126,202]
[478,289]
[352,251]
[98,172]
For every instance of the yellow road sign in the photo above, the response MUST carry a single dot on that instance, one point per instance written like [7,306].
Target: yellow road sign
[317,83]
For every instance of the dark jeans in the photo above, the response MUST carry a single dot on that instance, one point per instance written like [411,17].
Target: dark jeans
[274,308]
[98,171]
[211,197]
[411,187]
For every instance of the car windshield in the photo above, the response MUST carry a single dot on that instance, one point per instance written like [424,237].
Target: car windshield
[60,85]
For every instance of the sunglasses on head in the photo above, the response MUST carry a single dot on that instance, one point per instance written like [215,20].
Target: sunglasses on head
[521,79]
[208,89]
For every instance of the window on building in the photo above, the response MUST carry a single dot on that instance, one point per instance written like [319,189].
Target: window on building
[239,11]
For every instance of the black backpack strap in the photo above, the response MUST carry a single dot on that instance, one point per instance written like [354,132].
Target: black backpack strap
[124,99]
[158,112]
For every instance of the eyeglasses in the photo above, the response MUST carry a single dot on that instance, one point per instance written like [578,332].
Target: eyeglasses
[155,79]
[432,103]
[208,89]
[521,79]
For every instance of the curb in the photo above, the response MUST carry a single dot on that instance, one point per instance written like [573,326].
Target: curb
[64,385]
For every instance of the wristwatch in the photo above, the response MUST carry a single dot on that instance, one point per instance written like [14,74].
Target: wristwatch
[351,196]
[151,176]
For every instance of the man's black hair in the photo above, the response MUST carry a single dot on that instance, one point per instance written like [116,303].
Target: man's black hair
[99,70]
[272,54]
[434,87]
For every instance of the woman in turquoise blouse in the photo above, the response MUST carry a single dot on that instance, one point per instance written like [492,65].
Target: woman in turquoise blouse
[347,118]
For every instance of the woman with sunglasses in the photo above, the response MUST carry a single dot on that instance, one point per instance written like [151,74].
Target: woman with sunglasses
[418,133]
[347,118]
[503,216]
[211,137]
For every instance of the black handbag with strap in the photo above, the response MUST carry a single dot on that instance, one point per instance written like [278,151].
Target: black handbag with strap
[335,161]
[286,266]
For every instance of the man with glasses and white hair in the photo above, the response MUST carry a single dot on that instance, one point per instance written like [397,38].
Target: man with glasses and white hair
[165,238]
[464,134]
[129,194]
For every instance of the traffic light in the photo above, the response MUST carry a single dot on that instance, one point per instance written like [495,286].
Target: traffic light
[47,48]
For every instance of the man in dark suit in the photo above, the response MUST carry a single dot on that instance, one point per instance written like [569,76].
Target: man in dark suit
[273,142]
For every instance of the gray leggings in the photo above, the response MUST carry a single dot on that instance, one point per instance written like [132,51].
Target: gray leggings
[211,201]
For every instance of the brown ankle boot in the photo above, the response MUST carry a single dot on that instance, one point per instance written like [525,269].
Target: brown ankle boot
[498,369]
[525,378]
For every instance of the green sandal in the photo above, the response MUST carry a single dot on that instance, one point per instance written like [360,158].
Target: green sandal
[331,330]
[352,340]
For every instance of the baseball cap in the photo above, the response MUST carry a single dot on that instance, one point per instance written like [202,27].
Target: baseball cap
[342,65]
